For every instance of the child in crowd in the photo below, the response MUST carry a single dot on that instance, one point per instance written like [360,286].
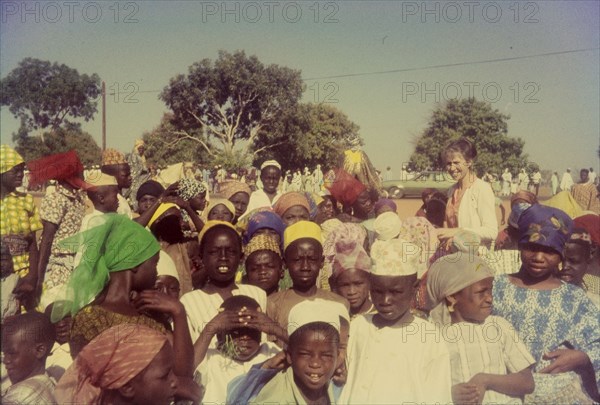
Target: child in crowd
[489,362]
[350,269]
[292,207]
[238,193]
[578,255]
[392,342]
[60,357]
[149,195]
[221,254]
[102,192]
[264,265]
[264,222]
[26,343]
[220,209]
[115,164]
[303,256]
[313,353]
[125,364]
[425,197]
[557,321]
[239,347]
[167,227]
[167,278]
[435,209]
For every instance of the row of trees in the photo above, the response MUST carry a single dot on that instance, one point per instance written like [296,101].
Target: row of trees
[234,111]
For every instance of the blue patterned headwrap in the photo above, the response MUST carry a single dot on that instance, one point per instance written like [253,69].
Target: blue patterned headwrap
[545,226]
[264,219]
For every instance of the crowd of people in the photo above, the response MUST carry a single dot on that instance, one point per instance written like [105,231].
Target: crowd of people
[305,288]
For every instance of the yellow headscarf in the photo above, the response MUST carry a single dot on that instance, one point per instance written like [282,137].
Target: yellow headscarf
[299,230]
[9,158]
[162,208]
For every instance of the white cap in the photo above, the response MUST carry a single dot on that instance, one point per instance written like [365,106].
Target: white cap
[395,257]
[270,163]
[166,266]
[317,310]
[387,225]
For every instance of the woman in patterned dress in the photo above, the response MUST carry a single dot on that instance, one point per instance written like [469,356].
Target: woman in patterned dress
[19,222]
[557,321]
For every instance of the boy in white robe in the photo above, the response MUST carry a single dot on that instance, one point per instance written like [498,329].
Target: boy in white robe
[392,356]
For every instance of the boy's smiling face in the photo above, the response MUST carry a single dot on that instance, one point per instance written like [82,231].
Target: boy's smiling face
[221,254]
[391,296]
[314,360]
[304,259]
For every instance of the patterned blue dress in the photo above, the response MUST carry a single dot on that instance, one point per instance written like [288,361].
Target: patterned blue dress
[545,319]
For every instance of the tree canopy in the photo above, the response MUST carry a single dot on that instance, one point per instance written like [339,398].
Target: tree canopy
[44,95]
[311,134]
[231,99]
[477,121]
[58,141]
[162,150]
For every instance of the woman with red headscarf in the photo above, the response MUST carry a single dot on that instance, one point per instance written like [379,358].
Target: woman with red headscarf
[61,212]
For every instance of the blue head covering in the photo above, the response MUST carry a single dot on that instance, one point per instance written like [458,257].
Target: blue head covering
[545,226]
[264,219]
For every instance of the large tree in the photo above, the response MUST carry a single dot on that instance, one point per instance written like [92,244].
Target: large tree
[310,135]
[63,139]
[45,95]
[231,99]
[163,150]
[476,120]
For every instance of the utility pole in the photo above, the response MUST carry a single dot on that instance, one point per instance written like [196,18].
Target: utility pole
[103,116]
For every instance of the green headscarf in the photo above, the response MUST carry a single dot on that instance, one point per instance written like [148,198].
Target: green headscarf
[117,244]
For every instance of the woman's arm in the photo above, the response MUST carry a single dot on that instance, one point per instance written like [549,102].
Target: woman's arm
[514,384]
[182,342]
[48,233]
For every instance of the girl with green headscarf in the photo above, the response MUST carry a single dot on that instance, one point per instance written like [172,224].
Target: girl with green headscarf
[114,284]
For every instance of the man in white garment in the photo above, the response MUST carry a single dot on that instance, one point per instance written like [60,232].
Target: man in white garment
[270,175]
[567,181]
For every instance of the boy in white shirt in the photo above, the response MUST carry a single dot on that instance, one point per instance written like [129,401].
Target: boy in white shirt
[392,356]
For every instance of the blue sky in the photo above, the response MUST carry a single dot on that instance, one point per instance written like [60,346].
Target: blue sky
[137,46]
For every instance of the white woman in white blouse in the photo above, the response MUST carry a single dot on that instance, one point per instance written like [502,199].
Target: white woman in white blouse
[471,201]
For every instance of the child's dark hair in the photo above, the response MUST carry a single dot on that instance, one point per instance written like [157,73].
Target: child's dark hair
[35,326]
[580,237]
[237,302]
[313,327]
[215,228]
[463,146]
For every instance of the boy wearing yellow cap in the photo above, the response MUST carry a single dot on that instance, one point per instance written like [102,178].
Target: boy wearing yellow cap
[393,356]
[303,257]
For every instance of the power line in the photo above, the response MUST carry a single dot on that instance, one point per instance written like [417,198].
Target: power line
[414,69]
[480,62]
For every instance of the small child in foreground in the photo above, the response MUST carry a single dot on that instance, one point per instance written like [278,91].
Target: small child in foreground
[239,347]
[489,362]
[313,353]
[26,343]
